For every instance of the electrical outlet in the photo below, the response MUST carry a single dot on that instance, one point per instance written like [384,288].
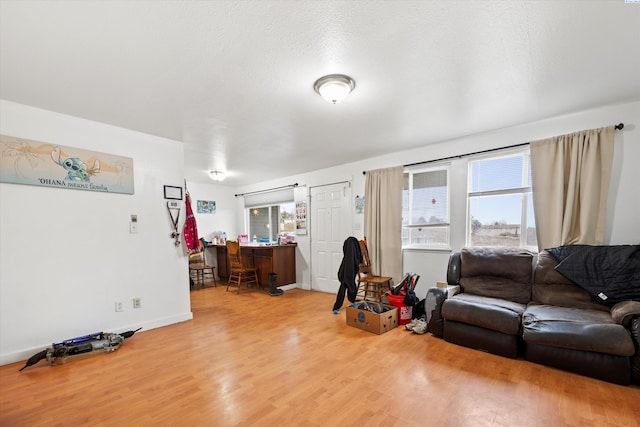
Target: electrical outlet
[119,306]
[137,302]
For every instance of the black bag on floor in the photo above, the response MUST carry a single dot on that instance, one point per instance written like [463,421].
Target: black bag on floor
[410,298]
[433,308]
[418,310]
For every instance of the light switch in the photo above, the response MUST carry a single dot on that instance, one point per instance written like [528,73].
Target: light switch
[133,225]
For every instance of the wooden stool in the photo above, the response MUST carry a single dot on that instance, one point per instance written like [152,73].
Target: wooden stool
[375,287]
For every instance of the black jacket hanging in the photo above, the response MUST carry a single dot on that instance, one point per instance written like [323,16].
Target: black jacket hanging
[349,266]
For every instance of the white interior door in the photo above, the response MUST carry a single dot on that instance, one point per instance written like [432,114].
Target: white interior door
[330,226]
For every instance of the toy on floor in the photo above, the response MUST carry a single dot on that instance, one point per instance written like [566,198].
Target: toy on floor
[80,348]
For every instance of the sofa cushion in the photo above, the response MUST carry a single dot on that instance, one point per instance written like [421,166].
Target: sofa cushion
[577,329]
[497,272]
[611,274]
[486,312]
[552,288]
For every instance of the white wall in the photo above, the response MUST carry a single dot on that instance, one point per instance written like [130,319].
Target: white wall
[67,256]
[224,219]
[623,227]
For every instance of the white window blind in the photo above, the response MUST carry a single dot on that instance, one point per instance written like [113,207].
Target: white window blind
[267,198]
[500,205]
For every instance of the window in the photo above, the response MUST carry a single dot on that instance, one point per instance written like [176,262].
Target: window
[269,214]
[267,222]
[425,207]
[500,211]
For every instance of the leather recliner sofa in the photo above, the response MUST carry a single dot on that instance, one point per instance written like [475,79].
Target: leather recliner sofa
[512,304]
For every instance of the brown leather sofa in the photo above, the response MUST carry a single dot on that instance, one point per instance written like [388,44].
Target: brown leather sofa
[512,304]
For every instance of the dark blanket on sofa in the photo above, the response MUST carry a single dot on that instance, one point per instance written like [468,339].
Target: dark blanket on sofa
[609,273]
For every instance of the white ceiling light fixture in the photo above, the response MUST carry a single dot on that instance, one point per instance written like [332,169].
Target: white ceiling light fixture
[334,87]
[217,175]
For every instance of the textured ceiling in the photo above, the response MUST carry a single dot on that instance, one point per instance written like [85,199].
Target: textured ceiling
[233,80]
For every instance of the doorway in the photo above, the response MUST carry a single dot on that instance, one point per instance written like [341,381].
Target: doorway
[330,226]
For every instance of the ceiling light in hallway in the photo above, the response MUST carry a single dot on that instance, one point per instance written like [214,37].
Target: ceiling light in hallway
[334,87]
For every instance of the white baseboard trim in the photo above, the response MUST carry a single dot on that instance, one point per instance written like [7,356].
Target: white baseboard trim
[24,354]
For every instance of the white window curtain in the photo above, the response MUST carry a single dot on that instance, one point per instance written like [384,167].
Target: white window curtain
[570,178]
[383,220]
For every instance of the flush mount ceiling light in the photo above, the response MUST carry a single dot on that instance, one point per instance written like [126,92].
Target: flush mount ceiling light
[334,87]
[217,175]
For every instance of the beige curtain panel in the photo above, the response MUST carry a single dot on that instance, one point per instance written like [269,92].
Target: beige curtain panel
[571,175]
[383,220]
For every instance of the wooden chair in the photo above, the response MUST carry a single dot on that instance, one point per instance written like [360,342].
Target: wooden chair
[239,274]
[200,272]
[374,287]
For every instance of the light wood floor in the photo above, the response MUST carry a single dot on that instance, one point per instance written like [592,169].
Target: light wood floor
[256,360]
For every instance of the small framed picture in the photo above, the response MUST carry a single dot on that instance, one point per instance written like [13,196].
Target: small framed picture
[173,193]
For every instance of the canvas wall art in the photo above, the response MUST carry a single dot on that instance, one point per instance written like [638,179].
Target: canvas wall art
[206,206]
[24,161]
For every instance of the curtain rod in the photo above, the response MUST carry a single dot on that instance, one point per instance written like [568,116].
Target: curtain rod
[619,126]
[267,190]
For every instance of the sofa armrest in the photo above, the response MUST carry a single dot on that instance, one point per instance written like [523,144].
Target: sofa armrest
[627,314]
[624,311]
[453,269]
[634,327]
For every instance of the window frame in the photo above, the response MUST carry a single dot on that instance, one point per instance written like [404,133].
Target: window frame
[525,191]
[432,167]
[273,235]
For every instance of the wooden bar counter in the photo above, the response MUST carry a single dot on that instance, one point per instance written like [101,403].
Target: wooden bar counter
[267,259]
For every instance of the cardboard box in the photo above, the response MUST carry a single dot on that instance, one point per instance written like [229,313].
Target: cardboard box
[373,322]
